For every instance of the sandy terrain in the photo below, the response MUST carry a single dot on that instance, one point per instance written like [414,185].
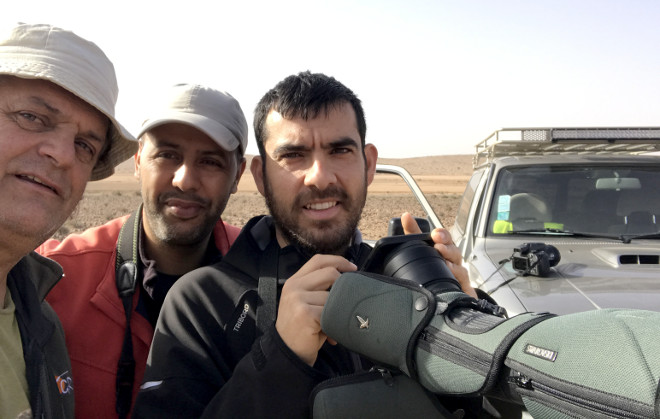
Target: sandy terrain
[441,178]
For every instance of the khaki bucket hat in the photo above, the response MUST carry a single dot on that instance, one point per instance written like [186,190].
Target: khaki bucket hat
[38,51]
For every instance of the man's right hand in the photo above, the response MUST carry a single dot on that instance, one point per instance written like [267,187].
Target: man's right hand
[301,304]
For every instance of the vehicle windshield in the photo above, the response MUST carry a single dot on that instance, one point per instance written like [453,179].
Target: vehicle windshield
[608,201]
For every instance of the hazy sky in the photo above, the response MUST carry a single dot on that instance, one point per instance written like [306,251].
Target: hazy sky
[435,77]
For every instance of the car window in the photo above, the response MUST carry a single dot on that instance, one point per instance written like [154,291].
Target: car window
[587,199]
[464,207]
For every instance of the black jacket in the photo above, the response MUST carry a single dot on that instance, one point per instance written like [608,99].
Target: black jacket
[208,357]
[47,364]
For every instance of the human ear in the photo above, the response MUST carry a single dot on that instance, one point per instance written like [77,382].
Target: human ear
[136,159]
[371,157]
[239,173]
[256,167]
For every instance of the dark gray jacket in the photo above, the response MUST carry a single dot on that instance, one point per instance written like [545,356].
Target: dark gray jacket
[208,357]
[47,364]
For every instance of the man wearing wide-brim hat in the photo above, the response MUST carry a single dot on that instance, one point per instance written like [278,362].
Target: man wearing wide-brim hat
[57,131]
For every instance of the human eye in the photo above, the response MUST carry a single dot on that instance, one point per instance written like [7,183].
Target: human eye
[85,150]
[291,155]
[343,147]
[30,121]
[212,163]
[342,150]
[166,155]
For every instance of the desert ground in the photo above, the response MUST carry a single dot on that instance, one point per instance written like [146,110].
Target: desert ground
[441,178]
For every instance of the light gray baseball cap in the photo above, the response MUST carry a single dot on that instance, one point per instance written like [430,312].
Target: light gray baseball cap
[215,113]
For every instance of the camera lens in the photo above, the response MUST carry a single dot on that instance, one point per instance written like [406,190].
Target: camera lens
[553,254]
[417,261]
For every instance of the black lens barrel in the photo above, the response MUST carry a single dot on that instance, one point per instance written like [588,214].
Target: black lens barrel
[418,261]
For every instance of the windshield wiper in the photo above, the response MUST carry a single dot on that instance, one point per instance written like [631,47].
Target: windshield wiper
[568,233]
[641,236]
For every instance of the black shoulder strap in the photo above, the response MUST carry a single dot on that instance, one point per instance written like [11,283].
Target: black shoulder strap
[268,281]
[361,255]
[126,276]
[267,288]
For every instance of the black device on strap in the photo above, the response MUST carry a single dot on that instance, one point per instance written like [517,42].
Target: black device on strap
[126,276]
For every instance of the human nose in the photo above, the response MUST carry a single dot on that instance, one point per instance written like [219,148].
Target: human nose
[60,147]
[320,174]
[185,178]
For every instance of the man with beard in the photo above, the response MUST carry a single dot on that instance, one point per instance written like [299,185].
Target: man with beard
[242,338]
[189,162]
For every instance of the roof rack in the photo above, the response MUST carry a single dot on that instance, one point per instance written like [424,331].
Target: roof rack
[555,141]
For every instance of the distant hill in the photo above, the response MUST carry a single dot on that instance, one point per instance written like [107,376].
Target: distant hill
[126,168]
[459,164]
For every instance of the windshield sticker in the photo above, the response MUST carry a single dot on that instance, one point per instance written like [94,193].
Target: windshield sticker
[503,205]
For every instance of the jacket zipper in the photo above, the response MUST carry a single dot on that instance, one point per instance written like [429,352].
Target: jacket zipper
[454,353]
[532,385]
[44,407]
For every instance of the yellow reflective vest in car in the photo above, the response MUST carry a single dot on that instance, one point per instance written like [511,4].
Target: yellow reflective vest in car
[504,226]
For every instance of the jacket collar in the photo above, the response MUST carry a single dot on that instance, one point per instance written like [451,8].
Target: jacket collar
[43,272]
[259,233]
[29,282]
[262,229]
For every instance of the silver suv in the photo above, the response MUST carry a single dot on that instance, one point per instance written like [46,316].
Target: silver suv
[564,219]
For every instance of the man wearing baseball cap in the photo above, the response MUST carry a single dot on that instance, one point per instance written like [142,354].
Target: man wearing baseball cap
[189,162]
[57,131]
